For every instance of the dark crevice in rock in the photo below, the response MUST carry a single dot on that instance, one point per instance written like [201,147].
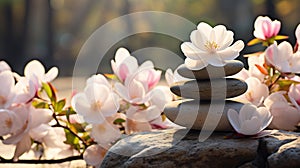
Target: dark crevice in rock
[261,160]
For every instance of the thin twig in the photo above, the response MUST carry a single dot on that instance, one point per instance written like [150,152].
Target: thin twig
[44,161]
[72,132]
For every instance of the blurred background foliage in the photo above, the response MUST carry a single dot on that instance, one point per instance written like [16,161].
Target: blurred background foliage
[53,31]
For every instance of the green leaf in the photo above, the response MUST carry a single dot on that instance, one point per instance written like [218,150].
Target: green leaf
[47,89]
[69,112]
[286,82]
[59,105]
[40,104]
[254,41]
[119,121]
[76,127]
[72,140]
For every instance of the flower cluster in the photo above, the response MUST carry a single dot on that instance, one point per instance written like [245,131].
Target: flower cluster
[131,102]
[22,120]
[272,80]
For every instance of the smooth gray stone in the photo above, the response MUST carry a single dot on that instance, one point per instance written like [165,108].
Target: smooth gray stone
[192,113]
[181,148]
[217,89]
[231,67]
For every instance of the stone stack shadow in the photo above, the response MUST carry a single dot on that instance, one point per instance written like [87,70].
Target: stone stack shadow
[208,89]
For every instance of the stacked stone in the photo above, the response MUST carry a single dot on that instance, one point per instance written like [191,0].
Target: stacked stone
[206,92]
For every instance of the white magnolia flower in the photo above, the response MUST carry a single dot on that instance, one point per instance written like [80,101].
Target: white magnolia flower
[285,116]
[210,46]
[34,70]
[282,57]
[95,103]
[256,92]
[250,120]
[124,64]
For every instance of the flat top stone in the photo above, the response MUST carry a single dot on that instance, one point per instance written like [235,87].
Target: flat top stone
[208,89]
[181,148]
[231,67]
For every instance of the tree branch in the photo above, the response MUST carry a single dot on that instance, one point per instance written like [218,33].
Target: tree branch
[68,159]
[72,132]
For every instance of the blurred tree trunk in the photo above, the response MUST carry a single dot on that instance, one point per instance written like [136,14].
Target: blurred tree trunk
[271,10]
[64,53]
[50,33]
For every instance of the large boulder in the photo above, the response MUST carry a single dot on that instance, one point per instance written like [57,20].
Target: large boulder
[182,148]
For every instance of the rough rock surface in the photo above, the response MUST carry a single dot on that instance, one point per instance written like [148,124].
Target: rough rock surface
[210,89]
[192,113]
[231,67]
[180,148]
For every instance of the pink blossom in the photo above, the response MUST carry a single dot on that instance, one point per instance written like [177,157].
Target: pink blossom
[35,71]
[265,28]
[124,64]
[134,92]
[294,95]
[282,57]
[285,116]
[27,118]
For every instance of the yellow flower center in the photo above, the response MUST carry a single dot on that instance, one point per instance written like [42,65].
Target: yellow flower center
[211,46]
[96,106]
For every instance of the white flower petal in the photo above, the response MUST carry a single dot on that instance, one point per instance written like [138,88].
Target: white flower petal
[121,54]
[96,93]
[251,127]
[99,79]
[105,133]
[94,155]
[22,147]
[51,74]
[34,67]
[111,105]
[192,51]
[195,64]
[80,104]
[40,116]
[233,118]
